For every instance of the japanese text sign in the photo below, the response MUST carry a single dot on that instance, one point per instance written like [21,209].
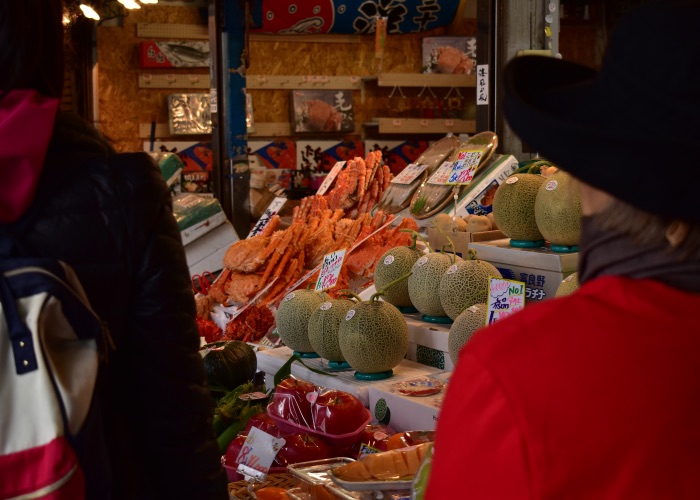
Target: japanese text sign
[330,177]
[257,454]
[465,166]
[272,210]
[482,84]
[330,269]
[409,174]
[505,297]
[442,174]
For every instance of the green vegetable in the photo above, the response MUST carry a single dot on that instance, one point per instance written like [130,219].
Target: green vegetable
[228,364]
[232,413]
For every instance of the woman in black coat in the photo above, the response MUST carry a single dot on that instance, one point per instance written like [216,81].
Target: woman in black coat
[66,194]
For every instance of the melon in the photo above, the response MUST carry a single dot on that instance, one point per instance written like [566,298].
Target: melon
[558,210]
[478,224]
[424,282]
[465,325]
[392,265]
[373,336]
[293,318]
[464,284]
[514,207]
[324,324]
[568,286]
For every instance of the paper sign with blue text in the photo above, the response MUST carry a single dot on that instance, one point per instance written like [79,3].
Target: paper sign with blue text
[330,270]
[257,454]
[465,166]
[330,177]
[409,174]
[505,297]
[271,210]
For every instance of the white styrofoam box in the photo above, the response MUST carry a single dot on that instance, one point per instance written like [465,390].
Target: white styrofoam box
[271,360]
[207,252]
[192,233]
[541,269]
[403,413]
[428,343]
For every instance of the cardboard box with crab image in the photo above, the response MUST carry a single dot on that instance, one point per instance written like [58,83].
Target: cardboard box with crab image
[329,111]
[449,54]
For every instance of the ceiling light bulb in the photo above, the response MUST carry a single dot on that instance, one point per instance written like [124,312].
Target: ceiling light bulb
[149,1]
[130,4]
[89,12]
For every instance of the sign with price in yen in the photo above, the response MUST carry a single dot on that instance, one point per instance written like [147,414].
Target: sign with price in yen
[330,270]
[465,166]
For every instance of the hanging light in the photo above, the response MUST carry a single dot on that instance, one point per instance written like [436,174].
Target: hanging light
[130,4]
[89,12]
[149,1]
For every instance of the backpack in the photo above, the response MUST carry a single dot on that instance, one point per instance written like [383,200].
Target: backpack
[51,347]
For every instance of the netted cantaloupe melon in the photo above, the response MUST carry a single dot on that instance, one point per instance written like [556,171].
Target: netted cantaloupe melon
[393,264]
[514,207]
[464,284]
[373,336]
[324,325]
[424,283]
[465,325]
[569,285]
[558,210]
[292,318]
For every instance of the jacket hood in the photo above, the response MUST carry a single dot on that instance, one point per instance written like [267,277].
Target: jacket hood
[26,125]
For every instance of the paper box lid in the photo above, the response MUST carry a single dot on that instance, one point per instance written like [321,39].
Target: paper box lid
[500,251]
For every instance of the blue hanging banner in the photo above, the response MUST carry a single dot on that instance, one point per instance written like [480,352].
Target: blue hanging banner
[352,16]
[236,139]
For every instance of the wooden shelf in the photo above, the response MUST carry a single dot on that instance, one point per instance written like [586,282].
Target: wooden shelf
[424,80]
[271,130]
[305,82]
[155,30]
[174,81]
[424,126]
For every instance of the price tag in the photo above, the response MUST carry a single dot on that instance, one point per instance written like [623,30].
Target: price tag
[465,166]
[330,269]
[505,297]
[272,210]
[330,177]
[257,454]
[442,174]
[409,174]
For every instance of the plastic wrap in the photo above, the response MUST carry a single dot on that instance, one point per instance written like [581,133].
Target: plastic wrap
[191,209]
[300,406]
[190,114]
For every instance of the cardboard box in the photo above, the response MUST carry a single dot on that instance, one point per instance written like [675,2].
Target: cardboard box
[322,111]
[207,253]
[460,240]
[449,54]
[541,269]
[174,54]
[478,198]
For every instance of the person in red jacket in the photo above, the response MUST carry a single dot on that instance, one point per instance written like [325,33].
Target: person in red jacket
[597,394]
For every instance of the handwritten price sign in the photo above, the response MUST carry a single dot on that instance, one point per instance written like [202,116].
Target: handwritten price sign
[330,269]
[409,174]
[505,297]
[330,177]
[272,210]
[465,166]
[257,454]
[442,174]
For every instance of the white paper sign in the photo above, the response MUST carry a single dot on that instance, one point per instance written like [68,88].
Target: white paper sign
[257,454]
[442,174]
[482,84]
[465,166]
[409,174]
[272,210]
[330,270]
[330,177]
[505,297]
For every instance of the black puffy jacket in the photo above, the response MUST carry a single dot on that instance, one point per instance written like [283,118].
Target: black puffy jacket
[110,217]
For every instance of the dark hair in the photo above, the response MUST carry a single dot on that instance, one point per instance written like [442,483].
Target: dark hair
[31,46]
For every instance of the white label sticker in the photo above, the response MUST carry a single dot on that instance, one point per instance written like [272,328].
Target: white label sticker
[325,306]
[350,315]
[442,174]
[569,277]
[289,297]
[452,269]
[551,185]
[330,177]
[330,270]
[482,84]
[511,180]
[272,210]
[312,396]
[258,452]
[421,262]
[473,309]
[409,174]
[388,260]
